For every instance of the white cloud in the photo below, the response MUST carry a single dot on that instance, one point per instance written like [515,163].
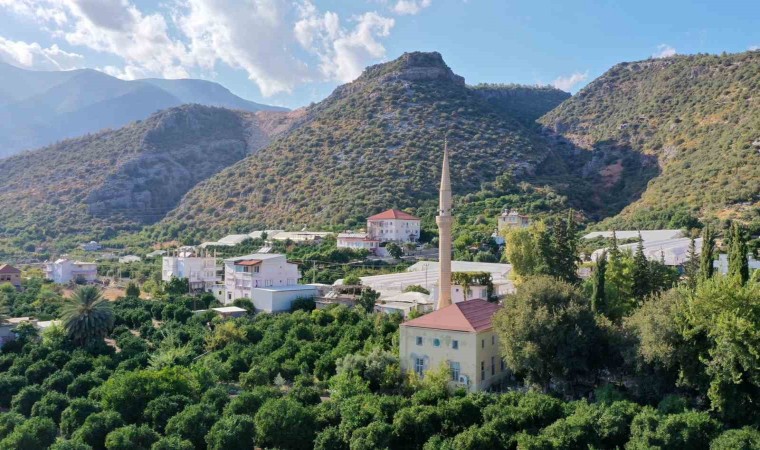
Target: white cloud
[566,83]
[752,48]
[410,7]
[343,53]
[664,51]
[34,56]
[280,44]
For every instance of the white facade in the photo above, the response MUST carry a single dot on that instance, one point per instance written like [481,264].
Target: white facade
[280,298]
[198,270]
[65,270]
[357,241]
[393,226]
[259,270]
[512,219]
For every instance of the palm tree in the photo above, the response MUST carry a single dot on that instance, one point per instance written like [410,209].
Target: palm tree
[87,315]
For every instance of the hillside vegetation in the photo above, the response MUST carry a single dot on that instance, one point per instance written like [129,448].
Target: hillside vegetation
[683,131]
[99,184]
[375,143]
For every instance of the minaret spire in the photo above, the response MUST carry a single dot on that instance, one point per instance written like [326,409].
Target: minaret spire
[444,220]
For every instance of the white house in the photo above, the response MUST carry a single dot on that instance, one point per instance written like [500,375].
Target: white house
[393,226]
[259,270]
[280,298]
[91,246]
[357,241]
[65,270]
[510,218]
[460,336]
[129,259]
[200,271]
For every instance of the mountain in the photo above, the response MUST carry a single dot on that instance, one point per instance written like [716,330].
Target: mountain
[668,140]
[373,144]
[39,108]
[116,180]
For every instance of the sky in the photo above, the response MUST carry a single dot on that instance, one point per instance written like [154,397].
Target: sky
[294,52]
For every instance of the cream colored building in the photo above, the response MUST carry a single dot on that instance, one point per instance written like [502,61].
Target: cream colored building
[460,336]
[512,219]
[393,226]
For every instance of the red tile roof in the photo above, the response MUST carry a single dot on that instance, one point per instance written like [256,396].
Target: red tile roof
[7,268]
[393,214]
[469,316]
[248,262]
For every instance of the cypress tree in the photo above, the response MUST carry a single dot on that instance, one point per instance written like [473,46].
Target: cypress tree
[706,268]
[691,267]
[598,296]
[641,272]
[738,266]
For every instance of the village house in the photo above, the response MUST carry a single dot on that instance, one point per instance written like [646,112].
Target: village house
[268,280]
[511,218]
[200,271]
[10,274]
[460,336]
[393,226]
[65,271]
[357,241]
[91,246]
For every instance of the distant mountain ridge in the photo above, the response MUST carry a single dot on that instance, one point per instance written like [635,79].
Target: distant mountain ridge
[40,108]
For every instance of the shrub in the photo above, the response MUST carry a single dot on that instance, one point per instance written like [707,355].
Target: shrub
[235,432]
[34,434]
[131,437]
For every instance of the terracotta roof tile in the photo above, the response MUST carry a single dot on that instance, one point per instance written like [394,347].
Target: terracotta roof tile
[393,214]
[469,316]
[7,268]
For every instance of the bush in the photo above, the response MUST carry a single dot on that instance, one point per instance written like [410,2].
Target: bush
[69,445]
[10,385]
[77,412]
[34,434]
[59,381]
[193,423]
[51,405]
[8,422]
[131,437]
[96,427]
[26,398]
[161,409]
[747,438]
[173,443]
[303,304]
[235,432]
[285,414]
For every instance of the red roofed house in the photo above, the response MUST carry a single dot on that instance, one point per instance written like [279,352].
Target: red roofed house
[393,226]
[10,274]
[461,336]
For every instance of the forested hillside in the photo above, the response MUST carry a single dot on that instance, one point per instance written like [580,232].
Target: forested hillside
[684,131]
[375,143]
[100,184]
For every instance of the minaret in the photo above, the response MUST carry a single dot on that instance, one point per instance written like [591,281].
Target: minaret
[444,234]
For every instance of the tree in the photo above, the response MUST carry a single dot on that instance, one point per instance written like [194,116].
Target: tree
[691,266]
[563,257]
[173,443]
[522,250]
[87,315]
[193,423]
[352,280]
[738,265]
[177,286]
[394,250]
[642,285]
[236,432]
[707,254]
[598,294]
[76,413]
[131,437]
[130,392]
[367,299]
[26,398]
[746,438]
[285,414]
[34,434]
[10,385]
[416,288]
[132,290]
[96,427]
[548,332]
[51,405]
[159,410]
